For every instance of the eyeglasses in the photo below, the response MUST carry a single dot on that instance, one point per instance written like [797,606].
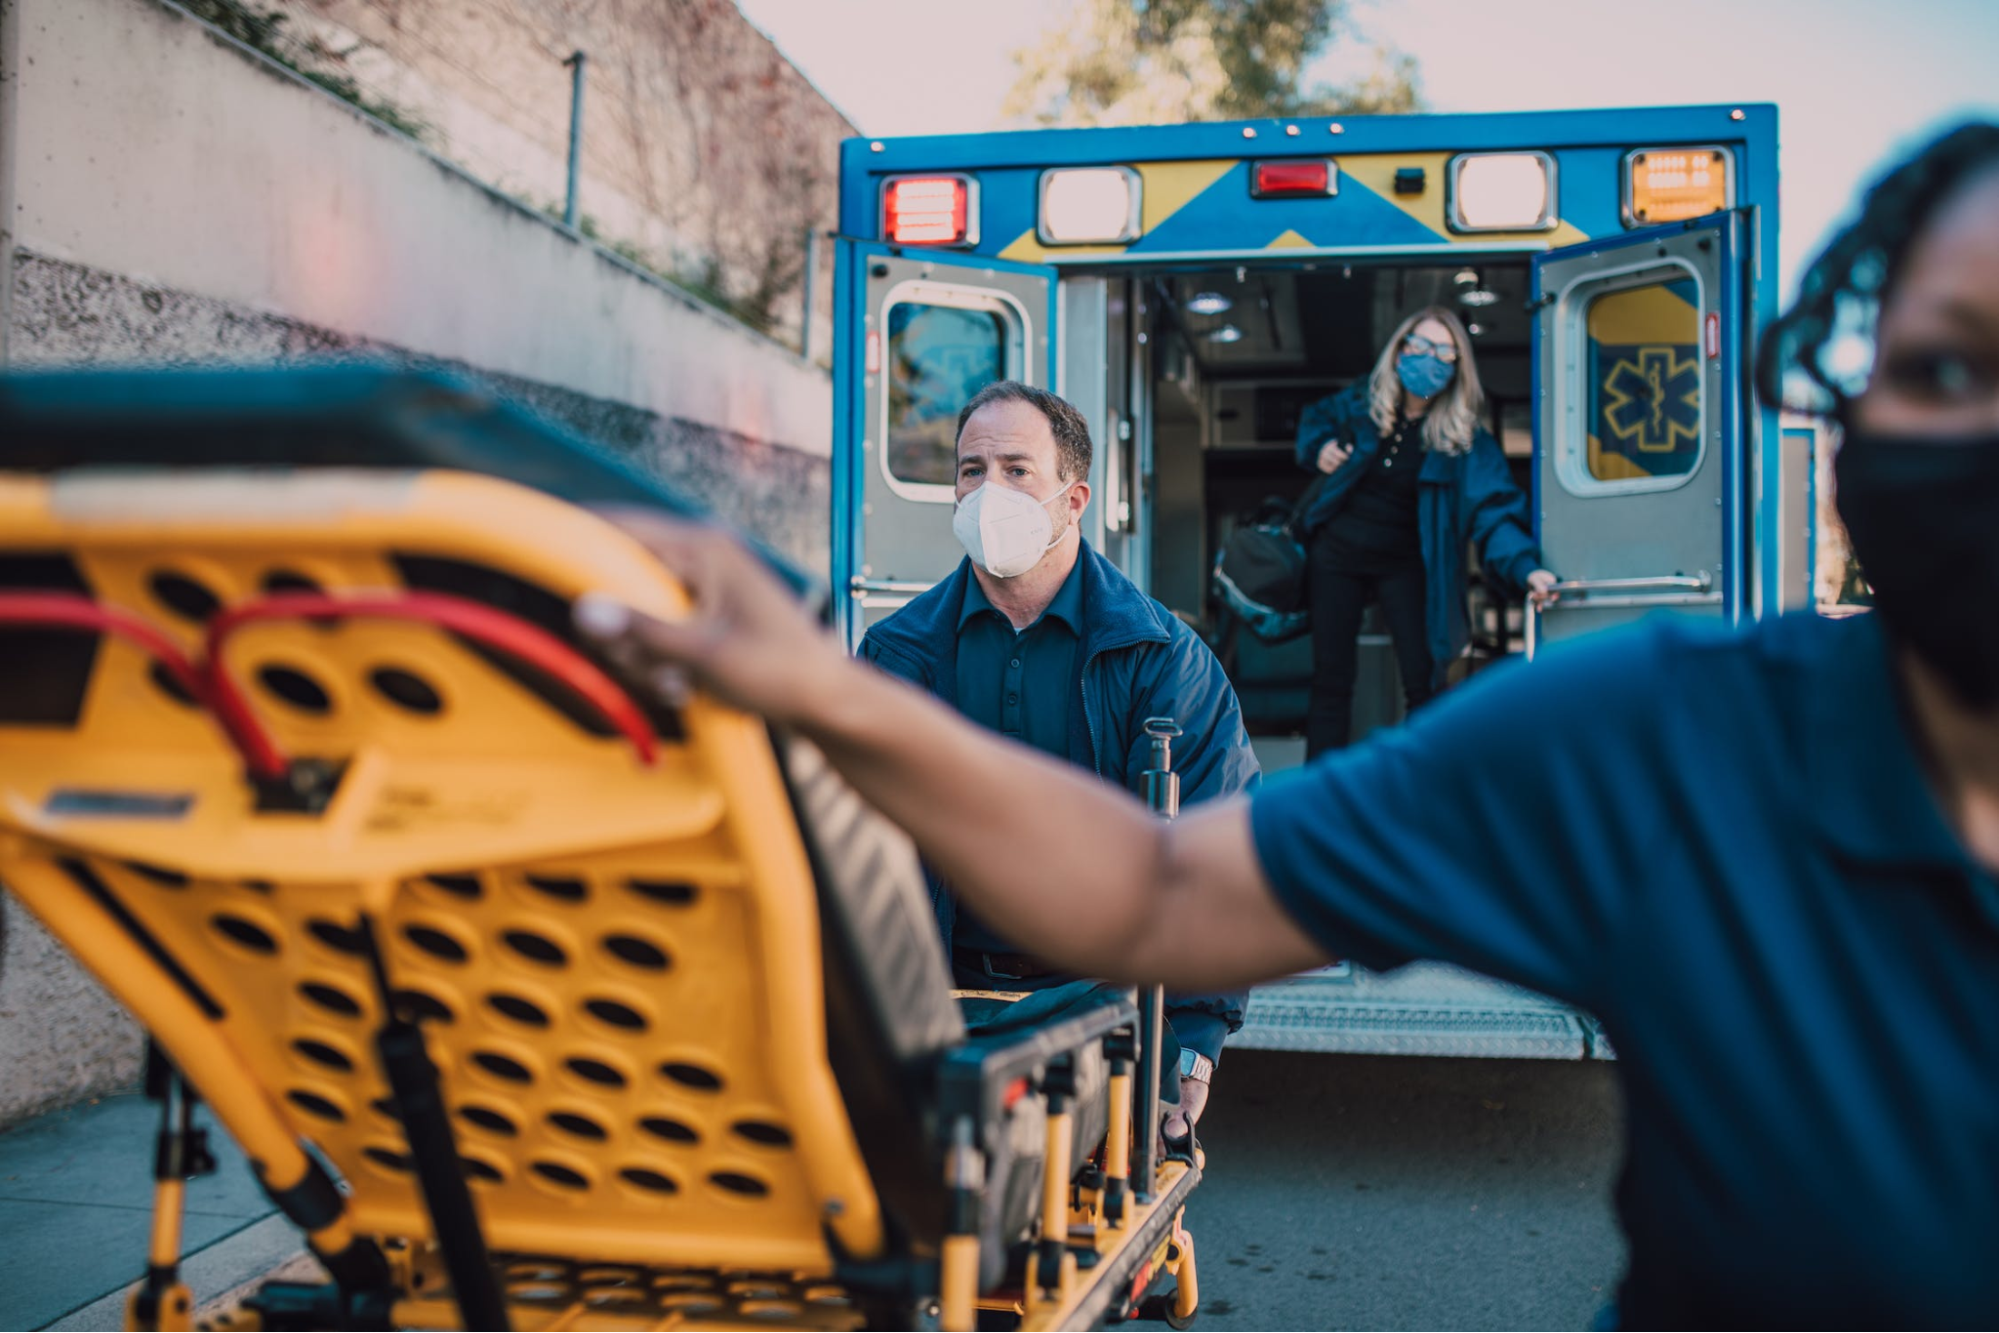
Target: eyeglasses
[1417,346]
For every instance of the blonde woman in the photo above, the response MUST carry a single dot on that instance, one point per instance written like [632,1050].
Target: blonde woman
[1410,476]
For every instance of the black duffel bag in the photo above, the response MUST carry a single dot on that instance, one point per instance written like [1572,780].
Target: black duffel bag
[1260,572]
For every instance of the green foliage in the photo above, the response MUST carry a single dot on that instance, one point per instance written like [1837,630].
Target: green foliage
[264,31]
[1135,62]
[246,25]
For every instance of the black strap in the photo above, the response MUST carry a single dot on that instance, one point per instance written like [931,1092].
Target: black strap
[440,1174]
[1304,504]
[1298,511]
[312,1202]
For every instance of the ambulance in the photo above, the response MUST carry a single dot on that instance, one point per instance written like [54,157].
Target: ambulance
[1192,288]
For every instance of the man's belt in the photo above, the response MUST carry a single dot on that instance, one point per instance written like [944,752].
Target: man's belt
[1004,966]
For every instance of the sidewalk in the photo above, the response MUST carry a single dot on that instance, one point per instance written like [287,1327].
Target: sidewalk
[76,1193]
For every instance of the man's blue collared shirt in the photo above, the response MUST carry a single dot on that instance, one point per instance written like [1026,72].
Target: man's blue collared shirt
[1136,660]
[1021,685]
[1725,846]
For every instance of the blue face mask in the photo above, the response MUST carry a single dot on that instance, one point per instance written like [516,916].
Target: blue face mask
[1423,374]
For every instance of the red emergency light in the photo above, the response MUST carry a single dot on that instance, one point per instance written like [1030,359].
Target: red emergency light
[1290,179]
[928,210]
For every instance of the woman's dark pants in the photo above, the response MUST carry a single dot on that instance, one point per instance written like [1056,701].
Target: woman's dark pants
[1337,593]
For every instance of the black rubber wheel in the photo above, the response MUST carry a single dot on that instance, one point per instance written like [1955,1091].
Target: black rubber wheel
[1160,1305]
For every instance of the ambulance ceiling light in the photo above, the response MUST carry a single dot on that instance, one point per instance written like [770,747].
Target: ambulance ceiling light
[1208,303]
[1227,333]
[1089,206]
[1501,192]
[931,210]
[1472,290]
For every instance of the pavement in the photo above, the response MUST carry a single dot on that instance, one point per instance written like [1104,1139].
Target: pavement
[1342,1192]
[1393,1192]
[76,1206]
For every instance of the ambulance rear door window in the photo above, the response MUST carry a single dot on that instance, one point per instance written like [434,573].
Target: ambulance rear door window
[938,357]
[1643,378]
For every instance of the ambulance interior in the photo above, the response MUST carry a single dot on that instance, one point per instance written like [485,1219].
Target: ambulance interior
[1222,362]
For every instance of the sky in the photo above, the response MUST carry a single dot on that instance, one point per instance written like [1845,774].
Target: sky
[1855,81]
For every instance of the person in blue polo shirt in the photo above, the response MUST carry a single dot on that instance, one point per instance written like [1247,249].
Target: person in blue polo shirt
[1041,639]
[1768,858]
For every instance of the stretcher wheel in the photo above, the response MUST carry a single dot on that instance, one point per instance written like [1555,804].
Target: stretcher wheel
[1161,1306]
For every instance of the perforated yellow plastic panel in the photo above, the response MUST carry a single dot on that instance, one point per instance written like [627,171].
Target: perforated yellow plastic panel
[619,966]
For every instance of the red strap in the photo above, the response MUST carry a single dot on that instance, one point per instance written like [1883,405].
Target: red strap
[211,684]
[68,610]
[496,629]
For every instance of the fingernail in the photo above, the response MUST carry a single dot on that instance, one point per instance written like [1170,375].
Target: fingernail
[673,685]
[600,614]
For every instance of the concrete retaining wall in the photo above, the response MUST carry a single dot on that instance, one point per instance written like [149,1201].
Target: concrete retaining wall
[167,196]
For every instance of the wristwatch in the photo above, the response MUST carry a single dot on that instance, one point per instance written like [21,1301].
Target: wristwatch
[1195,1065]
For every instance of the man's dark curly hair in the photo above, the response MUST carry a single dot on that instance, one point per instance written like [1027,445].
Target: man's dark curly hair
[1846,287]
[1072,433]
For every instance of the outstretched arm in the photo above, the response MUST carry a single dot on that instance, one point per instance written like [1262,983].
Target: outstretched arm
[1082,875]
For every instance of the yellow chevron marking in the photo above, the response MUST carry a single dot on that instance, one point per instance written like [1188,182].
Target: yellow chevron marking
[1612,467]
[1565,233]
[1636,315]
[1028,249]
[1377,172]
[1167,187]
[1171,186]
[1290,240]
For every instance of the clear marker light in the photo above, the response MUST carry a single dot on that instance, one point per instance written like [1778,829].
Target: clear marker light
[1089,206]
[1502,192]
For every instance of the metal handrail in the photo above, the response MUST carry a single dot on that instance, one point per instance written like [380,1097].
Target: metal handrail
[1162,795]
[1702,582]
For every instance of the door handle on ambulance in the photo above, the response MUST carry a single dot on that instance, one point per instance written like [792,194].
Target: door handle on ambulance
[860,587]
[884,594]
[1622,592]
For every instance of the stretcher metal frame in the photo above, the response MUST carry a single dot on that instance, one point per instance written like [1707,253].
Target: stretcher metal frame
[314,900]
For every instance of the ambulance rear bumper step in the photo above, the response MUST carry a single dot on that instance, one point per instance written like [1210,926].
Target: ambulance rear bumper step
[1421,1009]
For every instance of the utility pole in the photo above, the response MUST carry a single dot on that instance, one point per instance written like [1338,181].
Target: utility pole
[811,281]
[575,63]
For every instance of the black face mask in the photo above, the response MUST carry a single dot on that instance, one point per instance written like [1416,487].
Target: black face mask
[1923,513]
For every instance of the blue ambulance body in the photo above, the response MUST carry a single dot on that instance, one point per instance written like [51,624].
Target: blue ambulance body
[1191,288]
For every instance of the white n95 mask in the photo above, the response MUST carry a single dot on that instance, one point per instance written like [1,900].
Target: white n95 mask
[1006,532]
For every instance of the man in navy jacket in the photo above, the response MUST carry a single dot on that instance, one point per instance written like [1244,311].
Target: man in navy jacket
[1038,637]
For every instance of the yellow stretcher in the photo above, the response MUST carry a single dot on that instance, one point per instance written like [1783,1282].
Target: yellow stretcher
[531,1004]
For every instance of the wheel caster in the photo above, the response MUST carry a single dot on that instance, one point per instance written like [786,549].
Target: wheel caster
[1162,1306]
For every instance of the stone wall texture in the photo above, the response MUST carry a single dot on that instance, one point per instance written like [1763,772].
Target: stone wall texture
[69,314]
[701,142]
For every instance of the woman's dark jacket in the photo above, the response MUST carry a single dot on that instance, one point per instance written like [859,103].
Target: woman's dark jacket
[1460,496]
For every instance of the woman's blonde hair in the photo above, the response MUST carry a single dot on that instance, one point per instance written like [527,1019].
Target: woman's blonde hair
[1453,417]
